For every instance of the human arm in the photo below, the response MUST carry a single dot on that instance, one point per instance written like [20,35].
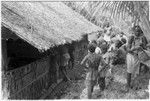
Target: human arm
[148,45]
[144,42]
[136,48]
[102,64]
[84,60]
[129,45]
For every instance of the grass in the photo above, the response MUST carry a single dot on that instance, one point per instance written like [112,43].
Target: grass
[114,90]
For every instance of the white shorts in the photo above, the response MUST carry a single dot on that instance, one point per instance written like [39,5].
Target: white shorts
[132,64]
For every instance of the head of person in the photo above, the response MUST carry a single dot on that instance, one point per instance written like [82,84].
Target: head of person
[137,31]
[98,35]
[104,48]
[91,48]
[123,40]
[118,44]
[94,42]
[102,35]
[121,34]
[104,42]
[112,36]
[98,42]
[105,31]
[107,25]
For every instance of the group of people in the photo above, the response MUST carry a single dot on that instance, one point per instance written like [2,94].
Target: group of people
[104,54]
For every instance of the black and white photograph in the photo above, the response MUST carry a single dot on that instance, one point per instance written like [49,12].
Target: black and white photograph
[75,50]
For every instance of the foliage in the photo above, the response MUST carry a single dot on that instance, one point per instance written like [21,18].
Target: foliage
[119,10]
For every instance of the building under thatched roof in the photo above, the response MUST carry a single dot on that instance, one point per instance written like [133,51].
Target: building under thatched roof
[45,24]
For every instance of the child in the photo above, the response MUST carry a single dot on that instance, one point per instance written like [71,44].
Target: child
[92,61]
[105,73]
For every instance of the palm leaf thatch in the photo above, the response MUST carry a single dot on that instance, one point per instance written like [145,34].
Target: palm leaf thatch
[45,24]
[138,10]
[121,10]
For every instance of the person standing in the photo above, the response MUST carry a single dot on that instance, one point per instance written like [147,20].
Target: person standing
[133,48]
[64,60]
[92,61]
[103,69]
[97,48]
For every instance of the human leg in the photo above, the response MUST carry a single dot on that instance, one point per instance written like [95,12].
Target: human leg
[72,62]
[128,80]
[101,82]
[89,89]
[130,68]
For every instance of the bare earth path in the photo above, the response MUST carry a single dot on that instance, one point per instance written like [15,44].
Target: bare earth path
[114,90]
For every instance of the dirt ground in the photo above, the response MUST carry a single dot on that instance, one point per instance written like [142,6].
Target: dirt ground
[114,90]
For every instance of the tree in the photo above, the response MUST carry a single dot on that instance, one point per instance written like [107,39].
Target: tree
[138,10]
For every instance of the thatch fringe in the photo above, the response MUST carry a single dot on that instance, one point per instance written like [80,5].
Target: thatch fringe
[45,24]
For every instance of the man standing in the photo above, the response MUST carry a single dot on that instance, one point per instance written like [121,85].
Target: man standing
[92,61]
[133,48]
[64,60]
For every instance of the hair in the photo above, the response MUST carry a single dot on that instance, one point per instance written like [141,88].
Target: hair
[91,48]
[118,44]
[104,42]
[113,35]
[104,48]
[124,40]
[137,30]
[122,33]
[94,42]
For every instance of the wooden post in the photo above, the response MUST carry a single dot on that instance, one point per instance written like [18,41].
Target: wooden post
[4,55]
[4,68]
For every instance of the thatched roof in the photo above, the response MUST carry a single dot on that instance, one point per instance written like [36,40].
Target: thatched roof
[45,24]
